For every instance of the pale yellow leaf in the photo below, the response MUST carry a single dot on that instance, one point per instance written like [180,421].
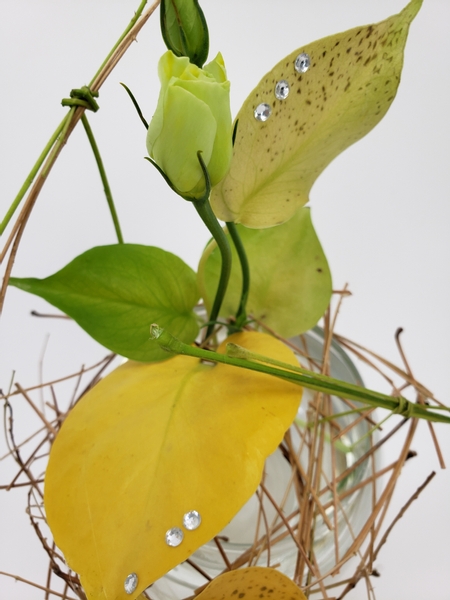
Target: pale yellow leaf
[350,85]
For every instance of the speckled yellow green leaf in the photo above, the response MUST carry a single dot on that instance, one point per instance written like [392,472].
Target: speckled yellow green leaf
[151,442]
[290,281]
[349,87]
[253,583]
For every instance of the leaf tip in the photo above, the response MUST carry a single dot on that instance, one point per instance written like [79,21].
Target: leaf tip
[410,11]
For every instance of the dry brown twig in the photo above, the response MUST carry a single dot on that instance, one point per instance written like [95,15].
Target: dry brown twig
[316,492]
[18,228]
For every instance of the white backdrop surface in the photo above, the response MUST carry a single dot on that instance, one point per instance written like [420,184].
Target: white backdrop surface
[381,211]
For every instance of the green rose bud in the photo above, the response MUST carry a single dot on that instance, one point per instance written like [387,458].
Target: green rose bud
[184,29]
[193,114]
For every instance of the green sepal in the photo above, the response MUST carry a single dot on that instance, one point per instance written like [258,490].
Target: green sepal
[116,292]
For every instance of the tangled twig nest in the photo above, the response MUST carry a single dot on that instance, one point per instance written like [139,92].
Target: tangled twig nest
[322,490]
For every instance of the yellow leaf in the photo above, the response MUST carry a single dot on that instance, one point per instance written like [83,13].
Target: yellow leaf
[254,583]
[350,85]
[152,442]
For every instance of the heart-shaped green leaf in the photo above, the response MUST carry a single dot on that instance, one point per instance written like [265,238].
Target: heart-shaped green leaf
[290,282]
[151,443]
[351,83]
[116,292]
[252,583]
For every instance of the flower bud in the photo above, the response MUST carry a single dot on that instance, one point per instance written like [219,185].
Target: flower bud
[193,114]
[184,29]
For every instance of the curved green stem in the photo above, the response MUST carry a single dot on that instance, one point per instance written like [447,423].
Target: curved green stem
[303,377]
[104,179]
[29,180]
[241,315]
[204,209]
[135,104]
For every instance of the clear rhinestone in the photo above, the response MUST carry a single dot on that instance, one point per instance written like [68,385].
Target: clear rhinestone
[131,583]
[174,537]
[192,520]
[262,112]
[282,90]
[302,62]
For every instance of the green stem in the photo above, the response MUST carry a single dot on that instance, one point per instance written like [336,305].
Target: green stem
[119,41]
[29,180]
[354,411]
[203,208]
[62,127]
[308,379]
[241,315]
[101,169]
[340,446]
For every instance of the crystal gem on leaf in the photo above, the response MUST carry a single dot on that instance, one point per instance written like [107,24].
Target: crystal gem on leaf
[174,537]
[192,520]
[282,90]
[302,62]
[131,583]
[262,112]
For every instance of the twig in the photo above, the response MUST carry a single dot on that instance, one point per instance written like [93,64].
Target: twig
[222,552]
[198,569]
[39,413]
[36,585]
[402,512]
[107,359]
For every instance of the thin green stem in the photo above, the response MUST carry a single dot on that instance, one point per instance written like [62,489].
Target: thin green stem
[371,430]
[61,129]
[354,411]
[119,41]
[101,170]
[29,180]
[241,315]
[307,379]
[337,443]
[203,208]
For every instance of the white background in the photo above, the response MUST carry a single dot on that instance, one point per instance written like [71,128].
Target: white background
[381,211]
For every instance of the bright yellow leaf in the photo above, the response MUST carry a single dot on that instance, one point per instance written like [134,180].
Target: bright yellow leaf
[254,583]
[152,442]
